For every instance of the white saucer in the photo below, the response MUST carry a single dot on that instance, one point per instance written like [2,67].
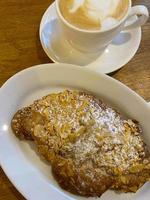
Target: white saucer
[118,53]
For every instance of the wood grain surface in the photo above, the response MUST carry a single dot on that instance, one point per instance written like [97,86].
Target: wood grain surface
[20,48]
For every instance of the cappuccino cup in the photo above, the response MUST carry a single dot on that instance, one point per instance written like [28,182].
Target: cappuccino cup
[91,25]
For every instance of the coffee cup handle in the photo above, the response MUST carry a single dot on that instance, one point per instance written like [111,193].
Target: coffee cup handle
[142,15]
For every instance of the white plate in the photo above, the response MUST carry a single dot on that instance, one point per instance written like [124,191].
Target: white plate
[118,53]
[20,161]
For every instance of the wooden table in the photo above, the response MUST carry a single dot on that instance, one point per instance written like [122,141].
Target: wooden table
[20,48]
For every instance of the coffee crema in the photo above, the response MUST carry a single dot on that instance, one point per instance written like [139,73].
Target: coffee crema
[93,14]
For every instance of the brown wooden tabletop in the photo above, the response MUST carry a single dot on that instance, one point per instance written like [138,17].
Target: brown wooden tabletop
[20,48]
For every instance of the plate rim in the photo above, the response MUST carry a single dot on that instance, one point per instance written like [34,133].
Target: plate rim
[43,66]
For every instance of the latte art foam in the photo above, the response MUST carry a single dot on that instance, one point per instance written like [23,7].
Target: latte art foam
[93,14]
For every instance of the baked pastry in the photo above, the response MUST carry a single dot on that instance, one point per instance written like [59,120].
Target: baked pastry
[91,147]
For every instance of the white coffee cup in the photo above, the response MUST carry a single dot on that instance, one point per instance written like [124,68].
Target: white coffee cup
[93,41]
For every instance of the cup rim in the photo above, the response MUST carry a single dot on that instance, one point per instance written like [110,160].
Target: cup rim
[90,31]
